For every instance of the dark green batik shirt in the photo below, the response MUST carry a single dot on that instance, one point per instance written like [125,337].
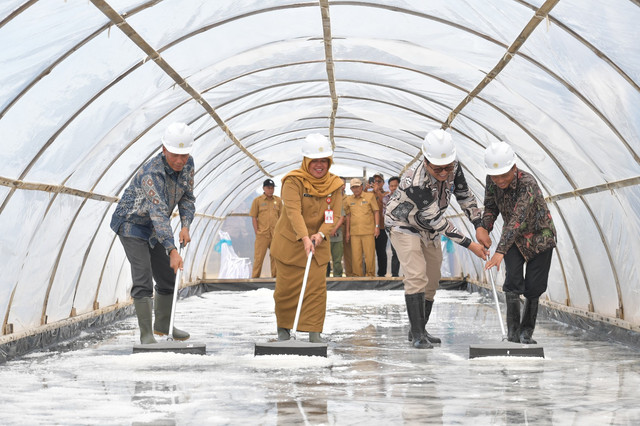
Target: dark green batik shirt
[527,220]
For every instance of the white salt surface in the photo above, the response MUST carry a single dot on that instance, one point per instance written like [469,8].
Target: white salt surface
[371,375]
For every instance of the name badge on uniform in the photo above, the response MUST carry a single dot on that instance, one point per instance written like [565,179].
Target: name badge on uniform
[328,216]
[328,213]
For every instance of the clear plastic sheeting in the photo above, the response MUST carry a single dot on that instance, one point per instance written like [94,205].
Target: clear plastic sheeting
[88,88]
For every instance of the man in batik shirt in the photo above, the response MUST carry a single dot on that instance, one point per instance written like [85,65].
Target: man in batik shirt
[142,221]
[528,236]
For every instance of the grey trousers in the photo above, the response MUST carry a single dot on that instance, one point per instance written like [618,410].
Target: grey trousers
[148,264]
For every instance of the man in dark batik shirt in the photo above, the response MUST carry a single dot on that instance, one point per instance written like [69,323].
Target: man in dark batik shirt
[528,236]
[142,221]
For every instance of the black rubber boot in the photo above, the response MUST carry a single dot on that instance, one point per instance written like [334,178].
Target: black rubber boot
[163,318]
[428,304]
[415,311]
[144,308]
[529,321]
[284,334]
[513,317]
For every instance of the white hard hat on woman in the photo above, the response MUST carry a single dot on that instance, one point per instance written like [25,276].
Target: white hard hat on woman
[316,145]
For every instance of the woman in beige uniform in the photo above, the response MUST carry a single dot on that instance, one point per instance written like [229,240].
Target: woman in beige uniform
[312,199]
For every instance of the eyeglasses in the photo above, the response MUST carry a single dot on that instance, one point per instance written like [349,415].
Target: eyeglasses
[378,181]
[438,170]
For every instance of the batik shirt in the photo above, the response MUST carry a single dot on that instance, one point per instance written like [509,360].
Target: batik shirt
[527,220]
[145,209]
[419,204]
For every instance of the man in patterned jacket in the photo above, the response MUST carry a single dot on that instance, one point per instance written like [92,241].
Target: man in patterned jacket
[415,219]
[142,221]
[528,236]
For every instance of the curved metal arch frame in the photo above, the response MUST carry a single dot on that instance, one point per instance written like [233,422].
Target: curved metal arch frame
[78,213]
[280,134]
[66,54]
[231,159]
[359,4]
[364,4]
[285,141]
[593,218]
[285,166]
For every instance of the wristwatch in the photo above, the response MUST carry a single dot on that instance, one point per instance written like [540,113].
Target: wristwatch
[377,226]
[321,234]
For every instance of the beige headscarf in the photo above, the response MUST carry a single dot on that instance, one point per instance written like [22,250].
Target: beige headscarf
[314,186]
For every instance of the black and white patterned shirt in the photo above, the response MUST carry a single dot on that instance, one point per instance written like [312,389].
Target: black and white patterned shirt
[419,204]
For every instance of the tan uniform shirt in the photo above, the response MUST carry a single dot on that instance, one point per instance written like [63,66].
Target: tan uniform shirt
[266,212]
[362,211]
[303,215]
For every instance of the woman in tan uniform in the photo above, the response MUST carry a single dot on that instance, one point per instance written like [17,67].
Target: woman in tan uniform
[312,199]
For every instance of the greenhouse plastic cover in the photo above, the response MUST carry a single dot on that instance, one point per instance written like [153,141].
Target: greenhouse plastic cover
[87,89]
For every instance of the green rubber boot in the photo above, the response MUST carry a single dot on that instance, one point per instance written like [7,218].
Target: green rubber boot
[314,337]
[163,318]
[284,334]
[144,307]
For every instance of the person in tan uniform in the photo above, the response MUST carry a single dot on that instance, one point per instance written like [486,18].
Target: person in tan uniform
[346,250]
[363,227]
[312,200]
[265,211]
[377,189]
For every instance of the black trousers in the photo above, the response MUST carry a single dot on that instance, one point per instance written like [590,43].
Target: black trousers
[148,264]
[381,252]
[532,283]
[395,262]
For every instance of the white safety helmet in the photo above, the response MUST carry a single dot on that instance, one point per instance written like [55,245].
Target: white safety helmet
[178,138]
[438,148]
[316,145]
[499,158]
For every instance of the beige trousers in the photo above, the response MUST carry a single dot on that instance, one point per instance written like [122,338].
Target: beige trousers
[260,251]
[420,260]
[363,245]
[287,294]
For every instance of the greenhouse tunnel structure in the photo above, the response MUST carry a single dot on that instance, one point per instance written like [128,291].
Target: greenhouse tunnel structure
[87,89]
